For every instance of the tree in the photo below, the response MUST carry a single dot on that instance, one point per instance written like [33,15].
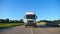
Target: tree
[21,21]
[7,20]
[43,21]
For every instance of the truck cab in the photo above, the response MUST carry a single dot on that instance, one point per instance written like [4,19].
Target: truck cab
[30,19]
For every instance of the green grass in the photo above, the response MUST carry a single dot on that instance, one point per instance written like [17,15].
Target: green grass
[6,25]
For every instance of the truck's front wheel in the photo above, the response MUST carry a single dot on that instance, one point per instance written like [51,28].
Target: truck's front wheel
[25,25]
[35,25]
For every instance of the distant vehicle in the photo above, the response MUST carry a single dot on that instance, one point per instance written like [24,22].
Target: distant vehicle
[30,19]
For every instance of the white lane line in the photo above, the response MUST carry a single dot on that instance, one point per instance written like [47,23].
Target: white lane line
[31,31]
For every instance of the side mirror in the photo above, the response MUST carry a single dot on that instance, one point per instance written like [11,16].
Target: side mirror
[36,17]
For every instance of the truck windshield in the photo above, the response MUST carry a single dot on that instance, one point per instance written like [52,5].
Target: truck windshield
[30,16]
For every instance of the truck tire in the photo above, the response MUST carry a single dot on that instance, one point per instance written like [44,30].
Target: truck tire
[35,26]
[25,26]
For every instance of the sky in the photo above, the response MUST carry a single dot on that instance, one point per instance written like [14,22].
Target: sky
[15,9]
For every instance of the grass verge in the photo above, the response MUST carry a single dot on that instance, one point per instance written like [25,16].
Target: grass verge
[6,25]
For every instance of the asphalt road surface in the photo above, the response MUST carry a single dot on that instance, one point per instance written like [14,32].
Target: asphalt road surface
[23,30]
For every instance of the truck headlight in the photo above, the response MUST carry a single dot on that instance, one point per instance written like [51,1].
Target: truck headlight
[59,24]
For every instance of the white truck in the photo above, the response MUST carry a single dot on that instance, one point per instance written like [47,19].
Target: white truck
[30,19]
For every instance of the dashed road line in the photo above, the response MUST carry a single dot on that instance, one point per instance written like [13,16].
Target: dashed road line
[31,31]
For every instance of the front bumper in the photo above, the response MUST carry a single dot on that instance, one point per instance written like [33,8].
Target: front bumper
[30,24]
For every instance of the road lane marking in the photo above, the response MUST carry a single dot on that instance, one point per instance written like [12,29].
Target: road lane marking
[31,31]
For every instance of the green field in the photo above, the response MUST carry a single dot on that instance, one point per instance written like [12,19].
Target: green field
[6,25]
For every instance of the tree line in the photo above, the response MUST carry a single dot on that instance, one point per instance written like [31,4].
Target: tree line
[11,21]
[55,21]
[21,21]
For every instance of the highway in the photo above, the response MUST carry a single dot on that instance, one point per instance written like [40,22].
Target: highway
[37,30]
